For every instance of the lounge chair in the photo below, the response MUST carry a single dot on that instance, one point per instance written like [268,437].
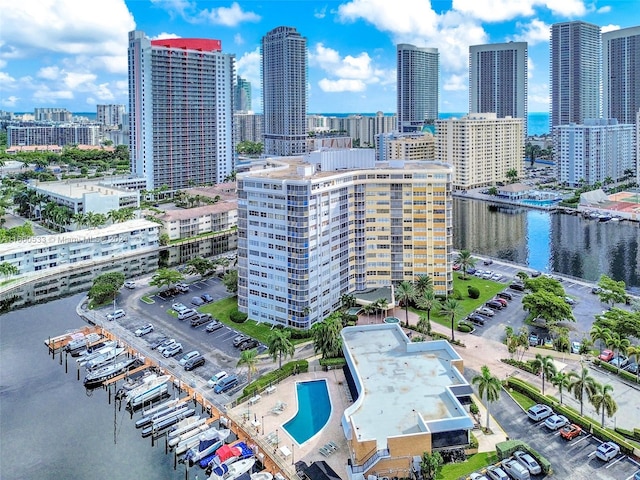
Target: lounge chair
[324,451]
[334,446]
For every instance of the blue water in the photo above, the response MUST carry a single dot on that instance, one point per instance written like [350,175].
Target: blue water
[314,410]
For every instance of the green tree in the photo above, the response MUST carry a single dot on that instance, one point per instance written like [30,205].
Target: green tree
[603,401]
[634,353]
[546,367]
[382,304]
[427,301]
[424,325]
[601,334]
[166,277]
[105,287]
[561,381]
[512,175]
[450,308]
[532,152]
[280,345]
[164,239]
[611,291]
[230,280]
[549,306]
[547,284]
[489,388]
[617,343]
[466,261]
[348,300]
[422,284]
[8,269]
[430,465]
[522,275]
[249,359]
[198,266]
[406,293]
[326,337]
[582,384]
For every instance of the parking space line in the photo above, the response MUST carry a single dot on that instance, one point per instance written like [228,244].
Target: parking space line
[611,464]
[592,454]
[581,439]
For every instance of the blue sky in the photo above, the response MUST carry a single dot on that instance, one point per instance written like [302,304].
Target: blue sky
[72,53]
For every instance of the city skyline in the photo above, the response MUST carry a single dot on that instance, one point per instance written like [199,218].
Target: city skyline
[73,55]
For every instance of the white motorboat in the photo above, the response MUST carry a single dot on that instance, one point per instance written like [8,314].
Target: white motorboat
[151,389]
[209,442]
[185,425]
[263,475]
[234,470]
[98,376]
[103,359]
[94,351]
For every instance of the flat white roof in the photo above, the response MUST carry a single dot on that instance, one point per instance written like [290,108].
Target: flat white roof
[406,387]
[71,189]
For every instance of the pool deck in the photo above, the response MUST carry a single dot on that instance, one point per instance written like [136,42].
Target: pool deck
[269,422]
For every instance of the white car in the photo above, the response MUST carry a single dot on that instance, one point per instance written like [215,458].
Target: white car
[213,381]
[539,412]
[497,473]
[528,461]
[607,450]
[485,311]
[172,350]
[116,314]
[148,328]
[575,347]
[477,476]
[189,356]
[496,276]
[179,307]
[554,422]
[167,344]
[130,284]
[487,275]
[515,469]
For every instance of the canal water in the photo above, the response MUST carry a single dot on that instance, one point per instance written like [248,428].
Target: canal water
[549,242]
[49,427]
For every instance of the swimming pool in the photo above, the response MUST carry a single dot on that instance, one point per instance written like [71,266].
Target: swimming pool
[540,203]
[314,410]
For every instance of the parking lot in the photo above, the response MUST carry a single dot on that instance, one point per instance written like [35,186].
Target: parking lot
[574,459]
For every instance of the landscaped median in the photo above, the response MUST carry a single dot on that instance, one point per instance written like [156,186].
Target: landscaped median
[586,423]
[260,384]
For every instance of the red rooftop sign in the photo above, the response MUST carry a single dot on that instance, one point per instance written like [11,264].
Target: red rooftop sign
[202,44]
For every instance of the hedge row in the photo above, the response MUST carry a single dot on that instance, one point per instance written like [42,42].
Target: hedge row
[610,368]
[258,385]
[586,423]
[506,449]
[526,366]
[333,363]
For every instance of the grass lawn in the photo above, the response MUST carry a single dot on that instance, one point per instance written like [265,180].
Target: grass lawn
[522,400]
[473,463]
[488,290]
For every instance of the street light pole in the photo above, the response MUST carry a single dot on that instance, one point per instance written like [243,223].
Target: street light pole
[262,424]
[293,455]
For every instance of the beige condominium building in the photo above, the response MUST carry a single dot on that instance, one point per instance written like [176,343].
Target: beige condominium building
[482,148]
[413,147]
[316,227]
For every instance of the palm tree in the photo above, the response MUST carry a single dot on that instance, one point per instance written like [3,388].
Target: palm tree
[561,381]
[634,352]
[580,384]
[424,325]
[488,388]
[369,309]
[546,367]
[383,305]
[279,345]
[427,301]
[450,309]
[80,219]
[465,260]
[617,342]
[603,400]
[248,358]
[422,284]
[600,333]
[348,300]
[326,337]
[512,175]
[7,269]
[406,292]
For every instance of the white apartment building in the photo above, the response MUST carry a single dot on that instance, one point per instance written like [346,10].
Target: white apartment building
[417,81]
[191,222]
[621,74]
[481,147]
[181,96]
[248,127]
[57,253]
[69,134]
[596,151]
[313,228]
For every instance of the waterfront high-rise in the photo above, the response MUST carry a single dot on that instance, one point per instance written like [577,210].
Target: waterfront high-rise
[243,95]
[621,74]
[284,91]
[181,93]
[417,86]
[575,72]
[498,79]
[110,115]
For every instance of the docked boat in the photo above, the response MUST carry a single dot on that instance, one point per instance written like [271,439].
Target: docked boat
[189,443]
[263,475]
[95,350]
[604,217]
[226,455]
[185,425]
[161,406]
[149,419]
[209,443]
[96,377]
[234,470]
[167,421]
[82,342]
[102,359]
[151,389]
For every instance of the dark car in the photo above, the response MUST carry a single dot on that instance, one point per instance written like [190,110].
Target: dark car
[194,362]
[477,319]
[517,286]
[505,295]
[197,301]
[248,344]
[240,339]
[488,261]
[471,270]
[632,368]
[494,304]
[206,297]
[200,319]
[214,325]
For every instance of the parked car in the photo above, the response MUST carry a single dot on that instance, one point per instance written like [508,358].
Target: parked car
[214,325]
[158,341]
[575,347]
[488,261]
[620,361]
[182,287]
[517,286]
[471,270]
[494,304]
[456,267]
[166,344]
[569,301]
[130,284]
[606,355]
[478,273]
[554,422]
[497,473]
[632,367]
[596,290]
[179,307]
[187,314]
[200,319]
[533,340]
[197,301]
[487,275]
[496,277]
[505,295]
[116,314]
[172,350]
[189,356]
[226,384]
[528,461]
[476,318]
[477,476]
[206,297]
[248,344]
[213,381]
[504,303]
[194,362]
[539,412]
[515,469]
[240,339]
[148,328]
[607,450]
[536,274]
[571,431]
[487,312]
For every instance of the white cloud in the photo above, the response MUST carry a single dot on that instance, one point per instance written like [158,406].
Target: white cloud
[238,40]
[455,83]
[604,9]
[320,13]
[566,8]
[533,32]
[538,97]
[9,101]
[248,67]
[227,16]
[342,85]
[609,28]
[530,67]
[49,73]
[46,95]
[165,36]
[494,10]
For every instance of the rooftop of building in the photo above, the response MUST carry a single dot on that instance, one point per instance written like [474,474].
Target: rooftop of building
[226,191]
[87,236]
[187,213]
[406,386]
[76,189]
[515,188]
[372,295]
